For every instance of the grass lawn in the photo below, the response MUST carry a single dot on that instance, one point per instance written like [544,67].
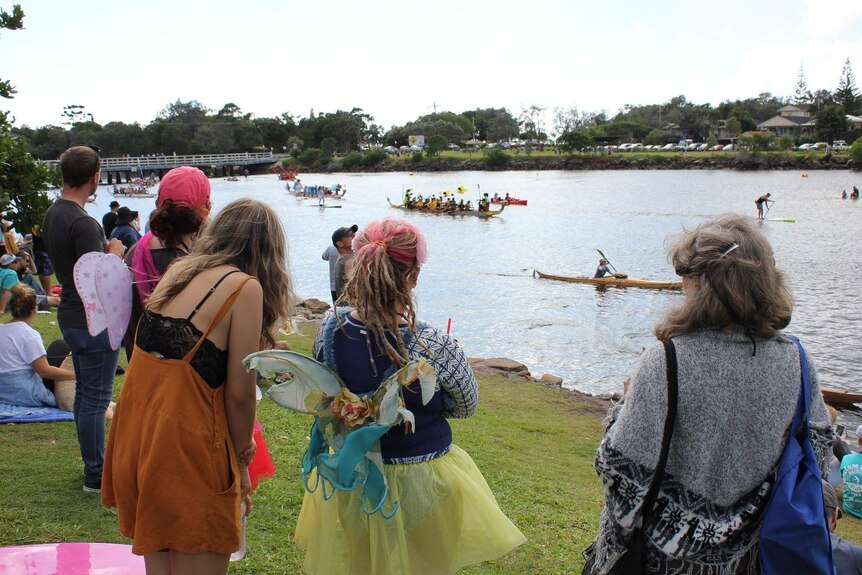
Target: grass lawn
[534,445]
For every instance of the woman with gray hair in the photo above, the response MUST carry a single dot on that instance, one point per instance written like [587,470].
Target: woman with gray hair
[739,379]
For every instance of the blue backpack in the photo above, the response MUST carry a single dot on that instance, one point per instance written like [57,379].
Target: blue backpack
[794,534]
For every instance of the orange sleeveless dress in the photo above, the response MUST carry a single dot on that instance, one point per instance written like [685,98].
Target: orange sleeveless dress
[170,467]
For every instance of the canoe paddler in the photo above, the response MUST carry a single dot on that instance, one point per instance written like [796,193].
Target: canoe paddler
[603,269]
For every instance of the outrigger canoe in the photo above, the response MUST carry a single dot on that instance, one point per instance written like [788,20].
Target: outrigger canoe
[840,397]
[478,214]
[613,281]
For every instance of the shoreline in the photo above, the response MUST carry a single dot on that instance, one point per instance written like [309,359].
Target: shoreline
[741,161]
[311,310]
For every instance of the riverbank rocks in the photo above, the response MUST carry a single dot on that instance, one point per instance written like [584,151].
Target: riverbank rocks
[311,309]
[501,365]
[742,160]
[551,380]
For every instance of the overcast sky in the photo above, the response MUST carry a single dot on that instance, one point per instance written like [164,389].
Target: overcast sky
[126,60]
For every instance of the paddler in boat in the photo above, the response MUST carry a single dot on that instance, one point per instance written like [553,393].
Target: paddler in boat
[603,269]
[461,206]
[468,207]
[407,196]
[844,195]
[497,197]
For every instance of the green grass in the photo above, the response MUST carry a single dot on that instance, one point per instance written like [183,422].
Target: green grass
[534,445]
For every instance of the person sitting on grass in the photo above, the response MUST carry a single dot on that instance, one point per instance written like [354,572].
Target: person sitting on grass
[23,359]
[26,270]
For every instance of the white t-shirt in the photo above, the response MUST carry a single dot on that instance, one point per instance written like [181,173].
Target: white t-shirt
[20,345]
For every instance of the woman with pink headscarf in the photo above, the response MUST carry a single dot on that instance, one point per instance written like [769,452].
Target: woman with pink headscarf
[182,209]
[448,517]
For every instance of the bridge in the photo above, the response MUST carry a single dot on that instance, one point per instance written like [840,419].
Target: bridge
[130,167]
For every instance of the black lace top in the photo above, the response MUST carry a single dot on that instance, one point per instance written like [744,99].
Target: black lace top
[174,337]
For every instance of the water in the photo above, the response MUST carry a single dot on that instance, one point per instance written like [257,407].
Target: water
[479,272]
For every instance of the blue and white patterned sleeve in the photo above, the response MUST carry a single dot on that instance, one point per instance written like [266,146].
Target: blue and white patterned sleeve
[454,374]
[318,338]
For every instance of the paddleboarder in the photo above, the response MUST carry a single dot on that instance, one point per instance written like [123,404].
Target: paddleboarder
[764,199]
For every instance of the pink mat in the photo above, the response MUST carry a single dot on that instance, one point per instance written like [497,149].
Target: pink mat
[70,559]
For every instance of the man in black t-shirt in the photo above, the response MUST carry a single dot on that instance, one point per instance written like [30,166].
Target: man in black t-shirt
[69,232]
[109,220]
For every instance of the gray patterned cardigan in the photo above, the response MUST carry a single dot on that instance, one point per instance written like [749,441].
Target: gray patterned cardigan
[734,411]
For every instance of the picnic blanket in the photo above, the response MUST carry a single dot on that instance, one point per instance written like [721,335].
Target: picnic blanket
[18,414]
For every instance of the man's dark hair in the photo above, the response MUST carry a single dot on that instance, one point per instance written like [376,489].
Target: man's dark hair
[78,164]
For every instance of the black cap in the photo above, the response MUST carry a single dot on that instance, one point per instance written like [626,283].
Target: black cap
[126,216]
[342,233]
[114,204]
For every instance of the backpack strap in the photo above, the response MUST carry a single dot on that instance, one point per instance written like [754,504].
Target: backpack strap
[669,422]
[803,406]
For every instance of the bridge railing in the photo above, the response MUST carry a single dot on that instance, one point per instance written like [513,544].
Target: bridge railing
[161,161]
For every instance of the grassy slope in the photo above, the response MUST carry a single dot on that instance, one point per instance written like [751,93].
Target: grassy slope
[534,445]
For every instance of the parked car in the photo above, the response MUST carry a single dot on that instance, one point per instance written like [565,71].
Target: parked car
[729,148]
[668,147]
[716,148]
[624,147]
[840,145]
[807,147]
[635,147]
[415,148]
[821,145]
[702,148]
[390,150]
[454,147]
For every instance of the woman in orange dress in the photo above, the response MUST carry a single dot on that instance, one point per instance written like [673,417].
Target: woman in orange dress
[176,466]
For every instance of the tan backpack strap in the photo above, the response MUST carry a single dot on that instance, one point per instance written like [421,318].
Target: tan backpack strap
[225,307]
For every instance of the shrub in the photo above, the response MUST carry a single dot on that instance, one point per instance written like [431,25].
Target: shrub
[786,142]
[312,157]
[417,158]
[374,157]
[495,157]
[856,153]
[352,160]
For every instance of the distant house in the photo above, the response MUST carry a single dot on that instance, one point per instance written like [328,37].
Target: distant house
[790,121]
[675,130]
[854,122]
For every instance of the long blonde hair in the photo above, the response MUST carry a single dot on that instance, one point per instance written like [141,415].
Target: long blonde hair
[739,283]
[387,257]
[248,235]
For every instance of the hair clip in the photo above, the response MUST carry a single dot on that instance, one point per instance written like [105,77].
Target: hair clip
[728,250]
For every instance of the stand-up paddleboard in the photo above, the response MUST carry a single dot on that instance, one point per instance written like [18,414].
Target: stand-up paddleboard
[788,220]
[324,206]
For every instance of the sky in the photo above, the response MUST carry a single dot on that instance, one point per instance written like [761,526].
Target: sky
[127,60]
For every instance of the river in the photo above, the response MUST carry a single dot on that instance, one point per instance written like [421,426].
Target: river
[479,273]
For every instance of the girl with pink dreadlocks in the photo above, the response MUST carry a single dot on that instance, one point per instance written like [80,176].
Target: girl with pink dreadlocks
[448,517]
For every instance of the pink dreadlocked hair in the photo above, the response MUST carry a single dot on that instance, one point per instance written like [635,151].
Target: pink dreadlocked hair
[387,257]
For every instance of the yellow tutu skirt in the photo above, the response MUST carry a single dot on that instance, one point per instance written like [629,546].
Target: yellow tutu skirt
[448,519]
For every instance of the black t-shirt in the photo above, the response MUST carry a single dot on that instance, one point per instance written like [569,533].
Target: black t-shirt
[109,222]
[70,232]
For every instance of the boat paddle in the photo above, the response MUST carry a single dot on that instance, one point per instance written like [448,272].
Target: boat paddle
[768,206]
[788,220]
[604,257]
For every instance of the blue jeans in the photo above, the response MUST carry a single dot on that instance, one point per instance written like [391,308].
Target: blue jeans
[29,280]
[95,366]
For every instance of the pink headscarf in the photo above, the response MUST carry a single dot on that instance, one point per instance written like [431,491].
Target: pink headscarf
[378,235]
[186,186]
